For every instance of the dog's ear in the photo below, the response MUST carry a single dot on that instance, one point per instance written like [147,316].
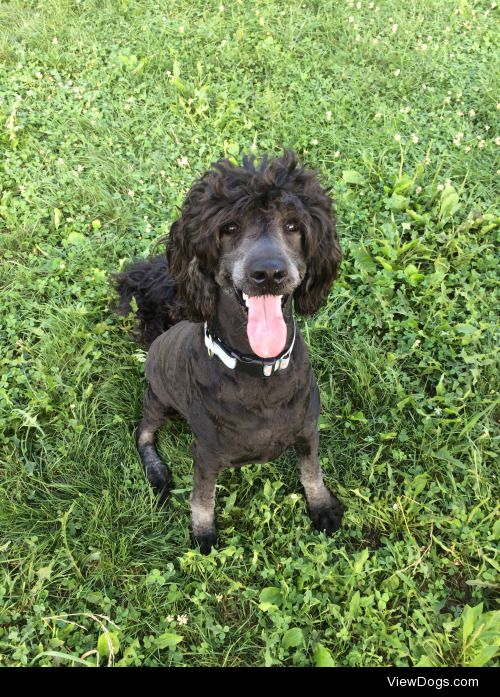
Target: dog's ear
[192,253]
[322,255]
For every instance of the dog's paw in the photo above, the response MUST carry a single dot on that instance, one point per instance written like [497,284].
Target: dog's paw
[161,482]
[327,517]
[205,540]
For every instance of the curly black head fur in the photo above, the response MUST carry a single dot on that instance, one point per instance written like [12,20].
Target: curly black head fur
[250,194]
[233,217]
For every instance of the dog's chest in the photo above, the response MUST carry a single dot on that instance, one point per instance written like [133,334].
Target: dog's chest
[252,420]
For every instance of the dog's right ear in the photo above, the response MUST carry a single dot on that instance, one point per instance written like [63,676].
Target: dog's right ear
[192,254]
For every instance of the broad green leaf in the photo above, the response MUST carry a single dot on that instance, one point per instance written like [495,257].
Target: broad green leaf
[292,637]
[75,238]
[357,416]
[484,656]
[354,603]
[449,202]
[361,560]
[403,184]
[384,263]
[421,219]
[350,176]
[271,595]
[107,643]
[469,616]
[397,202]
[390,435]
[323,657]
[168,640]
[363,259]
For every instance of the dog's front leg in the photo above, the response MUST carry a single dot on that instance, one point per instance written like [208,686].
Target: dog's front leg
[323,507]
[203,501]
[154,416]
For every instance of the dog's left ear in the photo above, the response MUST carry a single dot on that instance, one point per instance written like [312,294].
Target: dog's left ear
[192,252]
[323,256]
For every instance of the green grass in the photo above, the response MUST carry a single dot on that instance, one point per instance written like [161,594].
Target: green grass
[109,110]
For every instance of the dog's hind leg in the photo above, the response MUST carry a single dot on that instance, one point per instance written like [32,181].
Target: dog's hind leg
[325,510]
[155,415]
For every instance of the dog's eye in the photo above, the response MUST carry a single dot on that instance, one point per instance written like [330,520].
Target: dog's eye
[230,229]
[292,226]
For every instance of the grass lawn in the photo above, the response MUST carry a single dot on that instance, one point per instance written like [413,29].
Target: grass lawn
[109,110]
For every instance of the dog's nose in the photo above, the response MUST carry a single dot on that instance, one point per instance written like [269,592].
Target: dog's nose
[268,272]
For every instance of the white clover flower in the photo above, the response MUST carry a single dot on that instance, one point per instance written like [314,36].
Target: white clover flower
[183,161]
[131,193]
[397,138]
[440,187]
[55,40]
[472,113]
[182,619]
[394,28]
[414,138]
[397,72]
[497,140]
[337,154]
[328,115]
[418,190]
[378,115]
[395,506]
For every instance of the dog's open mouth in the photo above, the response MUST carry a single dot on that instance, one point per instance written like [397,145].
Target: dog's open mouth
[266,328]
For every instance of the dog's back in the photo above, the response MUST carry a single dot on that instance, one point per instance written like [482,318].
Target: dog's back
[149,283]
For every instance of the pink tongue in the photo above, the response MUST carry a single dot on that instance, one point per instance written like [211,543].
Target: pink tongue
[266,329]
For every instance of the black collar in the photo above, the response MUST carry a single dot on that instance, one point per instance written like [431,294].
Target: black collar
[247,363]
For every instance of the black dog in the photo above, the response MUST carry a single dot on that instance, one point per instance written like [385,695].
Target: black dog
[250,241]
